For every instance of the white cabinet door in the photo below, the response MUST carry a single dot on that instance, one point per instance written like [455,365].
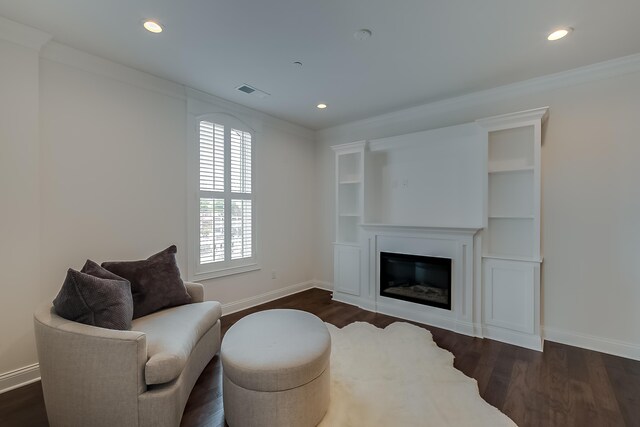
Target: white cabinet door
[509,295]
[346,265]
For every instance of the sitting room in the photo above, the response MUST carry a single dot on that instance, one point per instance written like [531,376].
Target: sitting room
[336,214]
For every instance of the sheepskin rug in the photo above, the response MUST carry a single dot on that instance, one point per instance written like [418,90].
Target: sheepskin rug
[399,377]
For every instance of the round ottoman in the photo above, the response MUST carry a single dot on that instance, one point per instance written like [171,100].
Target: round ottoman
[276,370]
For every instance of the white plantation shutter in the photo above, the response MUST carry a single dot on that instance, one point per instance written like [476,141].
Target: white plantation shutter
[211,230]
[240,161]
[241,229]
[211,156]
[226,209]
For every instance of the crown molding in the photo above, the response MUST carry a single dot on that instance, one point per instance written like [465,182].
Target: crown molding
[23,35]
[63,54]
[598,71]
[257,118]
[350,146]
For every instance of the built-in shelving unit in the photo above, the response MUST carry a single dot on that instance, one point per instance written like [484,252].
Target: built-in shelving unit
[511,238]
[513,226]
[469,192]
[349,189]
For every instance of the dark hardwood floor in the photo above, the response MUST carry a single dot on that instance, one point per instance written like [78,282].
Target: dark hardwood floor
[563,386]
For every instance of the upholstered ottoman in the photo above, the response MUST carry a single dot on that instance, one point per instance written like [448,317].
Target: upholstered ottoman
[276,370]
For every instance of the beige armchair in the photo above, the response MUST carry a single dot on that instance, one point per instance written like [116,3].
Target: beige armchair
[100,377]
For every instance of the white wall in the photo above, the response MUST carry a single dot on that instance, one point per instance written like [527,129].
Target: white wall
[591,196]
[114,174]
[20,204]
[436,178]
[94,165]
[113,170]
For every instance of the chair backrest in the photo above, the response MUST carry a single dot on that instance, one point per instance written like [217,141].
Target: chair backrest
[86,371]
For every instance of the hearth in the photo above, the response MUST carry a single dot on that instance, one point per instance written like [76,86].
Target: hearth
[415,278]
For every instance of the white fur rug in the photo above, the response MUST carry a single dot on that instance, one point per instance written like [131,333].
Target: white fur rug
[399,377]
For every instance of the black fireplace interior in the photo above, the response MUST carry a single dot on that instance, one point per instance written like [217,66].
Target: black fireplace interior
[420,279]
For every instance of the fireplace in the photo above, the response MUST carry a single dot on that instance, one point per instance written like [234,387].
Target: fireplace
[414,278]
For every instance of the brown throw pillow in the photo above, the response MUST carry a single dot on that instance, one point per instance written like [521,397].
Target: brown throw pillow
[96,297]
[155,282]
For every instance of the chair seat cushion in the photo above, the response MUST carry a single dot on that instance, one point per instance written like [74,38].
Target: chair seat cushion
[171,336]
[275,350]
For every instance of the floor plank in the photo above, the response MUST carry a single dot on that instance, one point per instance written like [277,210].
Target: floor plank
[564,386]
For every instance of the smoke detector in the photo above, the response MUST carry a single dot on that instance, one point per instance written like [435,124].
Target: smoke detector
[250,90]
[362,34]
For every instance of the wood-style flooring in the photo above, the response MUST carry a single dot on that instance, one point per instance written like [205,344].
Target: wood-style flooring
[563,386]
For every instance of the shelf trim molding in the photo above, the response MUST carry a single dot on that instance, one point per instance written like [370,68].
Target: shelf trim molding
[511,170]
[439,229]
[514,258]
[511,120]
[511,217]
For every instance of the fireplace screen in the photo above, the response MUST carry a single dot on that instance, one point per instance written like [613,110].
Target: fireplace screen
[420,279]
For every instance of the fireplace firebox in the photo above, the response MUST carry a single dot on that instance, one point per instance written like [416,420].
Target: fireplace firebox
[415,278]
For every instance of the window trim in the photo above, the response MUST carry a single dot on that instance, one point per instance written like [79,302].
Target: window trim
[196,271]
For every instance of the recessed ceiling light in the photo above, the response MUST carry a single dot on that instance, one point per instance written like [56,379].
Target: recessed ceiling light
[152,27]
[362,34]
[322,106]
[559,33]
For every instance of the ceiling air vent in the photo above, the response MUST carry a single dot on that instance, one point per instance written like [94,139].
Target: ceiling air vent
[252,91]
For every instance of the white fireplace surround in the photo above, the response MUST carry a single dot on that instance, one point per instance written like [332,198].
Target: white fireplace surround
[469,192]
[458,244]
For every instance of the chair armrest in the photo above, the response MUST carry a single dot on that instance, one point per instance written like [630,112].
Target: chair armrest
[87,367]
[195,290]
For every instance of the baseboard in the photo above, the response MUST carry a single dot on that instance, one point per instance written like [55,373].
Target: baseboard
[320,284]
[19,377]
[590,342]
[243,304]
[355,301]
[520,339]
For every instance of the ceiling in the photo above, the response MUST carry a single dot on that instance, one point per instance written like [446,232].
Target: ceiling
[420,51]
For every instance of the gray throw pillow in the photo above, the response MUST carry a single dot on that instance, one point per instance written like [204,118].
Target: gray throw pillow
[95,296]
[155,282]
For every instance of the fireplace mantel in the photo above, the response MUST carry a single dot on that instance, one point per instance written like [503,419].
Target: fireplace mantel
[429,228]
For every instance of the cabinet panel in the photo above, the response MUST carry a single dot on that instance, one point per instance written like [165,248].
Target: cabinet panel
[346,266]
[509,295]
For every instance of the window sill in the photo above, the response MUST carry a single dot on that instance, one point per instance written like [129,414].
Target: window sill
[224,272]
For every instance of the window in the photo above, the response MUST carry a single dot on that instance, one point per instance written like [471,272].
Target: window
[226,240]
